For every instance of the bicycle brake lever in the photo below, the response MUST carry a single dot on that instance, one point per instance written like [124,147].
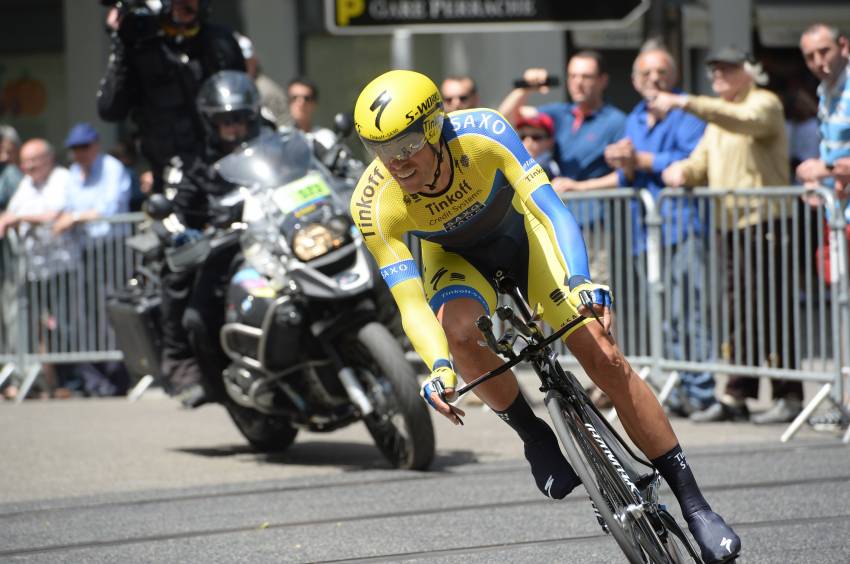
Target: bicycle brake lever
[485,325]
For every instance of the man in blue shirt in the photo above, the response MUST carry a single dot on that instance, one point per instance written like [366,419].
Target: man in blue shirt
[99,184]
[98,187]
[582,128]
[653,141]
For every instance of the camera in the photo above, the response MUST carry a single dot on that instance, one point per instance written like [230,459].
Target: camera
[139,18]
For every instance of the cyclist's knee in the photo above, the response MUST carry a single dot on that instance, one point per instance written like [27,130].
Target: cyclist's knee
[607,362]
[461,336]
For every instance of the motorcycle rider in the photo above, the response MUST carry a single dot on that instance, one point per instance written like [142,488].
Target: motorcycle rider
[157,64]
[229,107]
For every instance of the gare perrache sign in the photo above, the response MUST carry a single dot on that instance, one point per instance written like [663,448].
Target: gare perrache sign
[436,16]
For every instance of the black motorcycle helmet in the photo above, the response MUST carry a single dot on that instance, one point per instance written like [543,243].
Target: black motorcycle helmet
[227,101]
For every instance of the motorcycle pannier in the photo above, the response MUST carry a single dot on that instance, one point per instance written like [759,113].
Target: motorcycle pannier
[134,316]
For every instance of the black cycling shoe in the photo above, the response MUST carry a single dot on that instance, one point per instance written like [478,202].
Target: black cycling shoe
[717,541]
[552,473]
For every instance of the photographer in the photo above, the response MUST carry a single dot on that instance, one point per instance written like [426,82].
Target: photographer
[157,65]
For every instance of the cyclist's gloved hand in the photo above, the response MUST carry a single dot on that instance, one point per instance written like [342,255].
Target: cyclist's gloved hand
[186,237]
[591,299]
[438,389]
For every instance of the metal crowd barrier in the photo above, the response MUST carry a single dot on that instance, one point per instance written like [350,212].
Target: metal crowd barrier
[54,294]
[733,290]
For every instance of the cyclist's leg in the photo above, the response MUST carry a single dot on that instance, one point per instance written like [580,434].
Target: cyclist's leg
[639,410]
[459,294]
[641,414]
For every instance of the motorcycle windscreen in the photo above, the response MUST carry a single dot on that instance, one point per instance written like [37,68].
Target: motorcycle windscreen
[271,159]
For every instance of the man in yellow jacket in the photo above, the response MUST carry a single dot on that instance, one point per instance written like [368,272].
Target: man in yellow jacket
[745,146]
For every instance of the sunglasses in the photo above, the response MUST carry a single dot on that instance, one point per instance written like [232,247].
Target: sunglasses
[463,98]
[534,136]
[305,97]
[400,148]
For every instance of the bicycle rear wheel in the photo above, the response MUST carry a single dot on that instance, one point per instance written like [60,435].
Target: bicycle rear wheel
[598,459]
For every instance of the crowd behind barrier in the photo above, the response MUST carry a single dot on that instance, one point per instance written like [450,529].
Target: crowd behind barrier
[793,324]
[54,309]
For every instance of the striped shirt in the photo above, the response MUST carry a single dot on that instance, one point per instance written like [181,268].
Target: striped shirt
[834,117]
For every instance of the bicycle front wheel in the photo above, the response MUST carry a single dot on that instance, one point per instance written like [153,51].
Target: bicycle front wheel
[611,488]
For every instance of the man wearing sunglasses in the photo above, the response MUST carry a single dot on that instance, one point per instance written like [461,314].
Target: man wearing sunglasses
[465,185]
[303,96]
[459,93]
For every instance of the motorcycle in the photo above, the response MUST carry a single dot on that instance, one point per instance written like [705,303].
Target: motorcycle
[302,342]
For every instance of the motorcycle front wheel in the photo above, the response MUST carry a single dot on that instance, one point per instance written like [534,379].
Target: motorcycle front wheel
[400,423]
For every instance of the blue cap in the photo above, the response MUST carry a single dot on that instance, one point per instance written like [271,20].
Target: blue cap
[81,134]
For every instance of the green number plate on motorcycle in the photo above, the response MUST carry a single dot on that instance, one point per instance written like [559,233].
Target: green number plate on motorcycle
[300,193]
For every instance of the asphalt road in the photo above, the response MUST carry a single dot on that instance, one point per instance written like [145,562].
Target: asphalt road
[110,481]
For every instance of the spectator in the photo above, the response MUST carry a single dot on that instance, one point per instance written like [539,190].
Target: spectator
[744,146]
[37,202]
[537,134]
[654,139]
[99,184]
[154,73]
[10,174]
[582,130]
[827,53]
[40,196]
[303,96]
[272,95]
[459,93]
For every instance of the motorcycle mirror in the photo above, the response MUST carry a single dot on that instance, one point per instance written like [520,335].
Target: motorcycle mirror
[158,207]
[343,124]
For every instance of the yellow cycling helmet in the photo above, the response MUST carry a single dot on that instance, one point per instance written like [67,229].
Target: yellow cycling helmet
[397,113]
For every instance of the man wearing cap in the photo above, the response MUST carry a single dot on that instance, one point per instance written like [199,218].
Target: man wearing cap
[744,146]
[98,187]
[537,134]
[99,184]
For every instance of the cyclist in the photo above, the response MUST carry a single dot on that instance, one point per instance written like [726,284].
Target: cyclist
[465,185]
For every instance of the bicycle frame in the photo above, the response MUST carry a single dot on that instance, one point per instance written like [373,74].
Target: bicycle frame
[564,395]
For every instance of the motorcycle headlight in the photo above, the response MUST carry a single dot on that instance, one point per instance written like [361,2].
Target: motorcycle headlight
[315,240]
